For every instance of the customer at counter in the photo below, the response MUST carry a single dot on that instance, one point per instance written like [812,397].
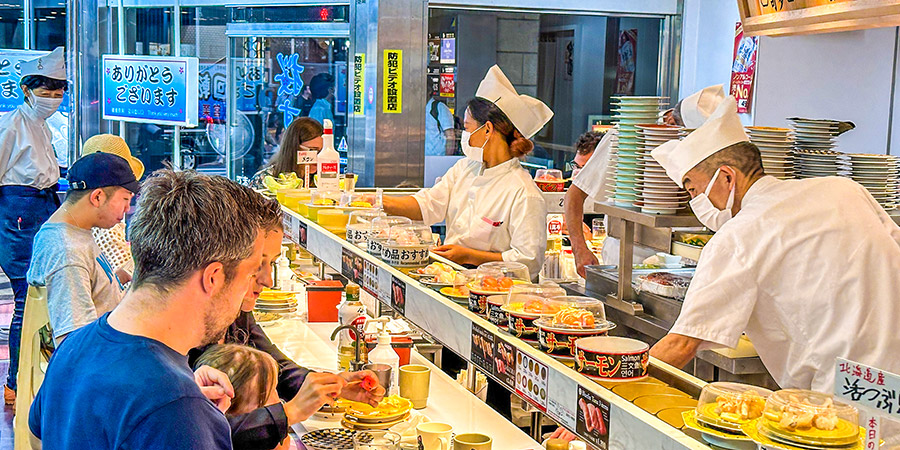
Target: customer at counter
[81,283]
[807,268]
[492,207]
[305,134]
[29,172]
[134,387]
[304,392]
[591,181]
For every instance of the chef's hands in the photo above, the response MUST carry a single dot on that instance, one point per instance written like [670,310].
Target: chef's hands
[215,386]
[318,389]
[355,391]
[455,253]
[583,257]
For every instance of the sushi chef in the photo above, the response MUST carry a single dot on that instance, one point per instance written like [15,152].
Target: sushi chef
[591,182]
[493,209]
[807,268]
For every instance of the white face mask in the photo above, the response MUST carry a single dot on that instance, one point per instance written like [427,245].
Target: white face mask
[473,153]
[710,216]
[44,107]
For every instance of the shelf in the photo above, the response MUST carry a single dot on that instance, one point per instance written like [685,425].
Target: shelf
[453,326]
[650,220]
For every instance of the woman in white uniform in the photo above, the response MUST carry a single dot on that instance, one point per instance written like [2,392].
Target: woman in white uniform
[493,209]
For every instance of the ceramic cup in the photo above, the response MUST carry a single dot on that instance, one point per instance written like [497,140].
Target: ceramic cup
[383,373]
[435,435]
[471,441]
[415,381]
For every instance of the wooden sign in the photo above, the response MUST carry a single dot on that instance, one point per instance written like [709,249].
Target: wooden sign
[796,17]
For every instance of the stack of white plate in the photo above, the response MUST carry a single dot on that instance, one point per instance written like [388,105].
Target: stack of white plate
[629,112]
[658,194]
[775,146]
[879,174]
[812,134]
[820,163]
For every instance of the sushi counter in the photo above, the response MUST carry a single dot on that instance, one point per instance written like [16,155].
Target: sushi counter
[600,414]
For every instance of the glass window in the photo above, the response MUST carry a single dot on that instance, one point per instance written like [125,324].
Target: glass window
[49,24]
[12,29]
[574,63]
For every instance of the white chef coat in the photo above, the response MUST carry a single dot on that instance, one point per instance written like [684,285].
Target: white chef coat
[26,151]
[592,178]
[809,269]
[498,210]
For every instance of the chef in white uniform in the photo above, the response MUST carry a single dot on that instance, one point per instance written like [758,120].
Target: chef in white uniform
[28,175]
[590,182]
[492,207]
[807,268]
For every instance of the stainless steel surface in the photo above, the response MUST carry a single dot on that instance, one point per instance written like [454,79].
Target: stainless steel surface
[356,364]
[387,149]
[626,254]
[28,20]
[655,238]
[626,306]
[651,220]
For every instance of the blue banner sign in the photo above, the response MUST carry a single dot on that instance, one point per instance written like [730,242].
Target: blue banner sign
[11,95]
[150,89]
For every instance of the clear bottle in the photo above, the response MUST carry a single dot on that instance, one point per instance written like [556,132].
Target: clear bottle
[328,161]
[283,273]
[351,312]
[384,353]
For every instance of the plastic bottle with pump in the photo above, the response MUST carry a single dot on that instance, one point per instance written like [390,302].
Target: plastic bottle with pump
[283,272]
[350,312]
[328,161]
[383,353]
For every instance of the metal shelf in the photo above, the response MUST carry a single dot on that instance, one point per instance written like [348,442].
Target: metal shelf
[453,326]
[681,220]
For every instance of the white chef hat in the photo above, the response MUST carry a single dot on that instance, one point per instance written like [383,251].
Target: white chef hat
[50,66]
[696,107]
[528,114]
[723,128]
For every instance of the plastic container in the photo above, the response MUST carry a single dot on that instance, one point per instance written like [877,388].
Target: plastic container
[809,418]
[611,358]
[383,353]
[333,218]
[291,198]
[407,246]
[283,273]
[578,317]
[322,299]
[322,199]
[494,278]
[524,304]
[328,169]
[356,201]
[358,225]
[379,232]
[728,406]
[663,283]
[550,180]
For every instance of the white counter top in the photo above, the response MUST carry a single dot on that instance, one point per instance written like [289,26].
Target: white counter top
[309,345]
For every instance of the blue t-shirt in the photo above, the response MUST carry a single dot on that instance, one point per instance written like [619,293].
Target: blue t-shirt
[109,390]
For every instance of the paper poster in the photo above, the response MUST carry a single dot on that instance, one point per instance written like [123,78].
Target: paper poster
[448,49]
[448,85]
[370,278]
[743,69]
[393,81]
[626,62]
[398,295]
[158,89]
[592,419]
[302,234]
[505,362]
[482,348]
[352,266]
[359,83]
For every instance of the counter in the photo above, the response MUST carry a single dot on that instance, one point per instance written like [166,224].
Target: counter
[309,344]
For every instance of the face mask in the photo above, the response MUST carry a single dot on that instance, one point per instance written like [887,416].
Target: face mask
[473,153]
[44,107]
[710,216]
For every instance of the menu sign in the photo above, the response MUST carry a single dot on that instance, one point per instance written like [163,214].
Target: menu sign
[359,81]
[505,362]
[393,81]
[743,68]
[370,278]
[482,354]
[352,266]
[531,380]
[398,295]
[302,234]
[592,418]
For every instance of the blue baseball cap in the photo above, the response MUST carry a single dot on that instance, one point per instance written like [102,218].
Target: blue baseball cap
[99,170]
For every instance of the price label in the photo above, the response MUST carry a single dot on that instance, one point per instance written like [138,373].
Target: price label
[868,386]
[304,157]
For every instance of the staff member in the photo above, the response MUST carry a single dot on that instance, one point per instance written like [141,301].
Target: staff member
[493,209]
[691,112]
[28,175]
[807,268]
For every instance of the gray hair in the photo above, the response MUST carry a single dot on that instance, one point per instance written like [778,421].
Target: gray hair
[185,221]
[743,156]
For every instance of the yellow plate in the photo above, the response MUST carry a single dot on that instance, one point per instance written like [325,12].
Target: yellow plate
[844,434]
[672,416]
[632,391]
[656,403]
[390,407]
[690,421]
[612,384]
[453,292]
[707,413]
[751,429]
[353,425]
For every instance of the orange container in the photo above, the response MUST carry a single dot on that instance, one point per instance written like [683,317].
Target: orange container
[322,298]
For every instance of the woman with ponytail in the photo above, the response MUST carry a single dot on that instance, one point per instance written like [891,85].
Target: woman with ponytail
[493,209]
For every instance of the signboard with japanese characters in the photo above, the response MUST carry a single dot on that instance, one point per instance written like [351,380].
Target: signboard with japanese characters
[150,89]
[290,86]
[11,95]
[393,81]
[359,83]
[874,390]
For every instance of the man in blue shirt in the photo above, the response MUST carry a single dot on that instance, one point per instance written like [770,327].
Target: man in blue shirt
[123,382]
[440,138]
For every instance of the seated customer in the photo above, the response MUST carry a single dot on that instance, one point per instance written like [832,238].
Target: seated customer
[81,284]
[253,374]
[123,381]
[266,426]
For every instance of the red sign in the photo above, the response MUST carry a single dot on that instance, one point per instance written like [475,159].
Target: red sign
[448,85]
[743,69]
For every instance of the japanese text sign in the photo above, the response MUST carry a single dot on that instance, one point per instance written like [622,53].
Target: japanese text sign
[150,89]
[868,386]
[393,81]
[743,68]
[11,96]
[290,85]
[359,83]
